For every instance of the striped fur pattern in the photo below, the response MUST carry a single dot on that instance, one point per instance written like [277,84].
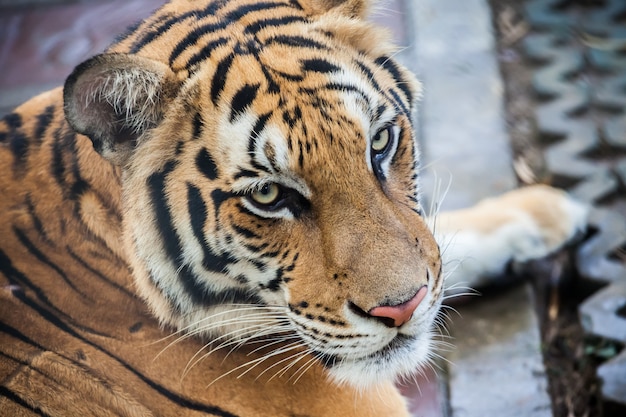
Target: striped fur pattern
[249,168]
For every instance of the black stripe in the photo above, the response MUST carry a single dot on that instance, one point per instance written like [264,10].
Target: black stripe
[400,104]
[258,249]
[219,77]
[193,36]
[172,396]
[13,332]
[380,111]
[390,95]
[199,293]
[254,135]
[391,67]
[17,277]
[318,65]
[61,140]
[369,74]
[99,274]
[240,12]
[219,197]
[254,28]
[65,160]
[293,116]
[13,121]
[7,393]
[80,186]
[206,164]
[289,77]
[198,126]
[296,41]
[19,148]
[296,4]
[272,85]
[205,52]
[247,233]
[162,28]
[128,32]
[32,249]
[301,156]
[169,237]
[36,220]
[245,173]
[198,215]
[43,121]
[201,296]
[243,99]
[346,88]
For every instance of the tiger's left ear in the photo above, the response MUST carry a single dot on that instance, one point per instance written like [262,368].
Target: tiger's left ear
[350,8]
[114,98]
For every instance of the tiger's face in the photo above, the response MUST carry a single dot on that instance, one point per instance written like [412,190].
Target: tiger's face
[271,191]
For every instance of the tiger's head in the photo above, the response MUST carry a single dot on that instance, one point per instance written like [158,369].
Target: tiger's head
[270,179]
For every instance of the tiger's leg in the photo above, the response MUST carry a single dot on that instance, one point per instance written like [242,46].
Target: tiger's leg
[529,223]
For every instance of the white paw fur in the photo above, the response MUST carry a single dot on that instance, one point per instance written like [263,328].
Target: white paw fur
[529,223]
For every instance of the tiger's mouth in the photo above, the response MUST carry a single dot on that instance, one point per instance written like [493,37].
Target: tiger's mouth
[399,358]
[389,351]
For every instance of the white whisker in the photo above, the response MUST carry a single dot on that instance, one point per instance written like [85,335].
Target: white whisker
[255,362]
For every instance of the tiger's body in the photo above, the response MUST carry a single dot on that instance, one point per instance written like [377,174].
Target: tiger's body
[249,169]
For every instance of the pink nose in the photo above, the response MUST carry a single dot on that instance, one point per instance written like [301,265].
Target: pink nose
[400,313]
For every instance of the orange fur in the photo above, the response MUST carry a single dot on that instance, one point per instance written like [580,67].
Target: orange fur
[83,232]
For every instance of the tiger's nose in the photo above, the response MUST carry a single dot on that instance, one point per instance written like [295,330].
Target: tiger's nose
[401,313]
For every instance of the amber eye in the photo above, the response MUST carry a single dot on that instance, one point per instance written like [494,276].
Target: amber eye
[381,141]
[383,146]
[268,195]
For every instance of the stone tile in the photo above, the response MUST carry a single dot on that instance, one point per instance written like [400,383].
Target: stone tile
[600,313]
[613,380]
[594,258]
[496,369]
[462,125]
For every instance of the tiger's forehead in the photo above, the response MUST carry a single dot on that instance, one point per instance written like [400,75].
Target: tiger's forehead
[283,91]
[318,118]
[188,34]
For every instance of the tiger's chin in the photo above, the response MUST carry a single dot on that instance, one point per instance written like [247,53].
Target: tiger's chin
[399,359]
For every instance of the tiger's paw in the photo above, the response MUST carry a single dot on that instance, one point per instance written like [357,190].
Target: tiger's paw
[522,225]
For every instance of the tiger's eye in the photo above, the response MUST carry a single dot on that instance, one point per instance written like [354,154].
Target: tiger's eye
[267,195]
[381,140]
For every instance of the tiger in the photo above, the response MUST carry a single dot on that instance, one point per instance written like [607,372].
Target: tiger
[221,215]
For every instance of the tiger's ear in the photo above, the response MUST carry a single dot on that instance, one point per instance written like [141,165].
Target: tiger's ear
[114,98]
[350,8]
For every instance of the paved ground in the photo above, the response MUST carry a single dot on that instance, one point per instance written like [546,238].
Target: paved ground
[496,368]
[450,45]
